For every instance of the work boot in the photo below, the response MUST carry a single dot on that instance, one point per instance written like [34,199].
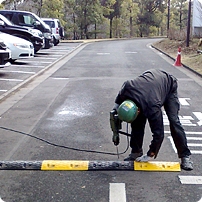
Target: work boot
[133,156]
[186,163]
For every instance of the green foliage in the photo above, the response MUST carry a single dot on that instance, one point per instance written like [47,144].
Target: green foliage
[52,9]
[179,9]
[109,18]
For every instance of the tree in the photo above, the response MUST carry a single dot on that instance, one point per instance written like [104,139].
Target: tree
[88,12]
[52,9]
[148,10]
[129,13]
[112,8]
[180,11]
[11,4]
[70,17]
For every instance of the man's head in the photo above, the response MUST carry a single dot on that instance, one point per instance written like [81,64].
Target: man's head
[128,111]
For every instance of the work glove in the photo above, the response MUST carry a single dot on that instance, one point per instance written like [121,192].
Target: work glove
[143,158]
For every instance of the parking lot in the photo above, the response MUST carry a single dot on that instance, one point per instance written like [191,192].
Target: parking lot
[22,70]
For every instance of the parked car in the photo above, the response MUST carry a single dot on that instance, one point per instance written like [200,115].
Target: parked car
[20,48]
[31,35]
[28,19]
[57,29]
[5,55]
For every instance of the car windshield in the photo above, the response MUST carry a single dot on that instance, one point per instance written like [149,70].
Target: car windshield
[41,21]
[8,22]
[50,23]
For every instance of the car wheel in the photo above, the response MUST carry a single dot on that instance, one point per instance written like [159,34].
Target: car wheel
[55,41]
[12,60]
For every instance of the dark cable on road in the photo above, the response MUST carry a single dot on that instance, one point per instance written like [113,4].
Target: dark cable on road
[66,147]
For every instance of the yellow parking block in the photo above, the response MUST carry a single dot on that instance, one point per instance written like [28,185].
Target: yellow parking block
[64,165]
[157,166]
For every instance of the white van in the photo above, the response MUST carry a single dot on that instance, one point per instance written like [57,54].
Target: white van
[57,29]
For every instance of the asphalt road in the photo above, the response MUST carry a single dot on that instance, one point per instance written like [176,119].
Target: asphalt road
[69,104]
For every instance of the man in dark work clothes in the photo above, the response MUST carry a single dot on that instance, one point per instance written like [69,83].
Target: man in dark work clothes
[150,91]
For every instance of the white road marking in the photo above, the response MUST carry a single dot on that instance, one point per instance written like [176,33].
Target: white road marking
[46,62]
[60,78]
[117,192]
[173,144]
[188,133]
[194,138]
[28,66]
[183,101]
[199,117]
[194,145]
[130,52]
[193,151]
[190,179]
[52,58]
[103,53]
[185,120]
[191,133]
[23,72]
[3,90]
[10,79]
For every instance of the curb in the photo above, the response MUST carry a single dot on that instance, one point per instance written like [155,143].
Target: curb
[174,59]
[65,165]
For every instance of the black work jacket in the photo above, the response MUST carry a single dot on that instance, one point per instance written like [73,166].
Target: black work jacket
[149,91]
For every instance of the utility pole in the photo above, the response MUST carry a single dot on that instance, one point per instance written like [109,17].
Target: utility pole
[168,22]
[188,23]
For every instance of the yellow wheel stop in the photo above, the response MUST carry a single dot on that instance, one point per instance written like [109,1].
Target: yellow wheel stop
[157,166]
[74,165]
[64,165]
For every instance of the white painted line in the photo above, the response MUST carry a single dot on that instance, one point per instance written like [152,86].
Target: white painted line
[173,144]
[11,80]
[3,90]
[46,62]
[189,144]
[57,55]
[183,101]
[194,145]
[194,138]
[188,133]
[19,72]
[28,66]
[103,53]
[196,152]
[130,52]
[199,116]
[44,58]
[117,192]
[60,78]
[190,179]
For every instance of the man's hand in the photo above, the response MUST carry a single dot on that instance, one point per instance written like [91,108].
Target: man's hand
[143,158]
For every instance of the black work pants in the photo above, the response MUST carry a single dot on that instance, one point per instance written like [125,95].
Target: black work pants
[171,107]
